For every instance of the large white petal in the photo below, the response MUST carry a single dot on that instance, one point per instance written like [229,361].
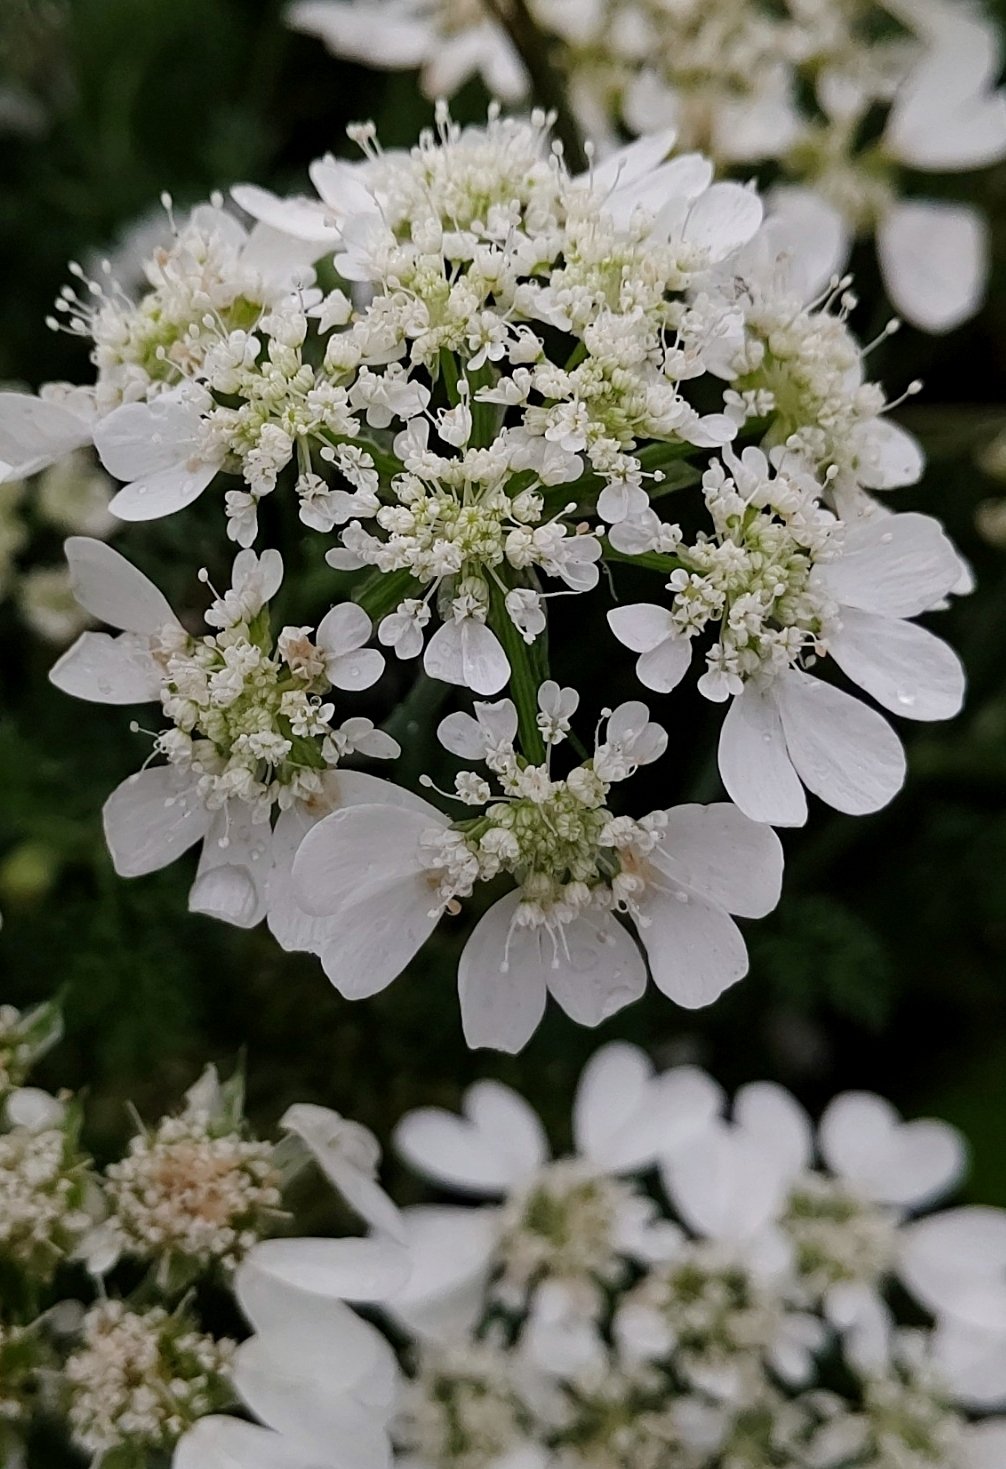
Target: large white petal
[897,565]
[724,1184]
[695,949]
[348,30]
[633,162]
[501,980]
[723,219]
[152,818]
[641,625]
[502,1114]
[985,1447]
[934,260]
[162,493]
[775,1118]
[612,1089]
[470,1153]
[348,1156]
[292,1395]
[113,590]
[972,1363]
[902,666]
[344,628]
[358,850]
[273,1305]
[625,1118]
[844,752]
[648,629]
[754,762]
[373,938]
[143,439]
[944,118]
[108,670]
[451,1254]
[901,1163]
[810,239]
[218,1442]
[467,653]
[290,925]
[888,456]
[947,1257]
[233,868]
[302,218]
[723,854]
[346,1269]
[35,433]
[596,969]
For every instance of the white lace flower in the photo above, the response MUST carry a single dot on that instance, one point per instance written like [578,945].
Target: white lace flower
[785,582]
[249,731]
[677,875]
[573,1221]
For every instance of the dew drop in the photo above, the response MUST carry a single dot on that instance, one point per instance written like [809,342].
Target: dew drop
[886,538]
[766,739]
[905,699]
[681,897]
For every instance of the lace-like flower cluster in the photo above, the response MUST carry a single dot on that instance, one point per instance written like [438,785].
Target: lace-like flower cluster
[139,1379]
[705,1332]
[195,1189]
[654,1297]
[556,838]
[675,874]
[846,97]
[48,1196]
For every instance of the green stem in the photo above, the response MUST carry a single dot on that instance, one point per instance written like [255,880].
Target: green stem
[526,675]
[649,560]
[381,592]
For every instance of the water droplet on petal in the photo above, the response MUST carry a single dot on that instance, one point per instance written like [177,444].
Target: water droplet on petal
[906,699]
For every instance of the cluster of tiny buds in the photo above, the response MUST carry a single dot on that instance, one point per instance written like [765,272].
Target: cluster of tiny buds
[141,1378]
[189,1190]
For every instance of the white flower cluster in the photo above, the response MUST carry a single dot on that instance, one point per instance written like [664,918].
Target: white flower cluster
[195,1190]
[126,1378]
[140,1378]
[526,368]
[850,100]
[710,1288]
[709,1333]
[48,1195]
[251,727]
[677,875]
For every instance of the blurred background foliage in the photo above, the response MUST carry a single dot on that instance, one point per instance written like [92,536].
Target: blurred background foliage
[884,965]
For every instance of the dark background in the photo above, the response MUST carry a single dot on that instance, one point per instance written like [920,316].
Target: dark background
[884,963]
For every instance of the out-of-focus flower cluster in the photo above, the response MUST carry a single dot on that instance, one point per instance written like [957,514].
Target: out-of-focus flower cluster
[853,103]
[70,497]
[711,1286]
[124,1368]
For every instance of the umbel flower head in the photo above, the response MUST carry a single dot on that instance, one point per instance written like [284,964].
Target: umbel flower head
[854,103]
[677,875]
[195,1191]
[250,726]
[697,1285]
[520,373]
